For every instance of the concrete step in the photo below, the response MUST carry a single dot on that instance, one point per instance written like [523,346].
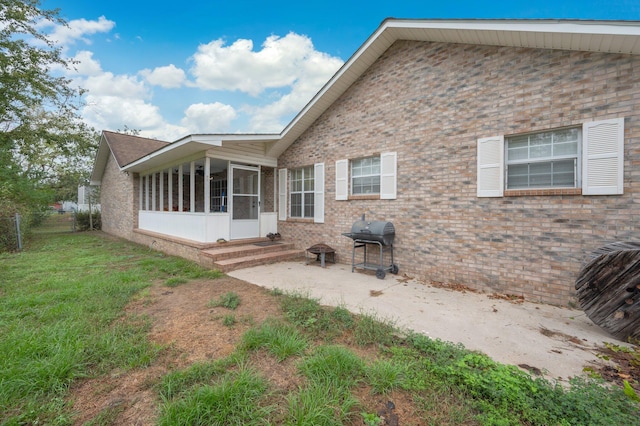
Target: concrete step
[245,250]
[231,264]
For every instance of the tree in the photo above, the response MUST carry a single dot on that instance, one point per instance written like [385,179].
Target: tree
[42,139]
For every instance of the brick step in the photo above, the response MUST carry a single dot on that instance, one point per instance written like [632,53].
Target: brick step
[244,250]
[230,264]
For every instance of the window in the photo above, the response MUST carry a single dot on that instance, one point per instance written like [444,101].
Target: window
[543,160]
[374,176]
[302,193]
[365,176]
[587,160]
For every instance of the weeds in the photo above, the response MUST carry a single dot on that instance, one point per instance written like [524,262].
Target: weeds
[370,329]
[320,404]
[229,300]
[234,399]
[229,320]
[281,340]
[336,365]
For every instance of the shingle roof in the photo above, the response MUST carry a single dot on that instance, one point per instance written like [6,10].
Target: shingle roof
[128,148]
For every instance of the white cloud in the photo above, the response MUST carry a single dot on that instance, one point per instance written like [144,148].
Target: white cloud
[113,112]
[84,64]
[77,29]
[209,118]
[123,86]
[238,67]
[313,74]
[169,77]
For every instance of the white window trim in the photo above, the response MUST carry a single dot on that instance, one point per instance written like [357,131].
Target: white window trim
[577,158]
[352,175]
[388,178]
[601,155]
[302,192]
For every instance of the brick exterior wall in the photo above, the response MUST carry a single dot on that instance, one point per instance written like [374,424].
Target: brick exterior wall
[430,102]
[119,201]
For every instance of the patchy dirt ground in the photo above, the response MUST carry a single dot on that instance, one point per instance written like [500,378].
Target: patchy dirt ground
[192,331]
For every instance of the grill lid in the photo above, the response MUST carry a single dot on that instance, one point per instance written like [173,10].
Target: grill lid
[380,231]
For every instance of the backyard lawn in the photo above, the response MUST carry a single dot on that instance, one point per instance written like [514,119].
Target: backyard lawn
[98,331]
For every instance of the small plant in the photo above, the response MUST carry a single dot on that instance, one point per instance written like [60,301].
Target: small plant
[371,419]
[175,281]
[229,320]
[229,300]
[276,292]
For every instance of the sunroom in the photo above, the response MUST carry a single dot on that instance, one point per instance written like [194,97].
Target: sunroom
[207,189]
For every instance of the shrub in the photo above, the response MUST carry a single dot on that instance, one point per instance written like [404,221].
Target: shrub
[82,221]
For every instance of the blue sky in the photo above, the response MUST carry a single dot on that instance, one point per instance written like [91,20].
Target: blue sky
[170,68]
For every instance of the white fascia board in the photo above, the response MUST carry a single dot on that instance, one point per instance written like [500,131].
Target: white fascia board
[530,26]
[100,162]
[235,137]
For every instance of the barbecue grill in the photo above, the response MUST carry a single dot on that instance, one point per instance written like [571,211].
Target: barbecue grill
[380,233]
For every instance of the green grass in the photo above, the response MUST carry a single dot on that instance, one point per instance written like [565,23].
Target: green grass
[281,340]
[234,399]
[320,404]
[62,319]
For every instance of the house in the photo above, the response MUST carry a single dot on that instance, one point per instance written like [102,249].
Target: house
[503,151]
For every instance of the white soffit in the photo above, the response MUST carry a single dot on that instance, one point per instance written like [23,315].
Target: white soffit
[190,145]
[173,152]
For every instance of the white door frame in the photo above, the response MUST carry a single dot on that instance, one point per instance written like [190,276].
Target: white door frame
[245,222]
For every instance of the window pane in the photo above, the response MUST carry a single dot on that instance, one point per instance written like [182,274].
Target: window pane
[518,176]
[565,148]
[540,175]
[540,145]
[365,176]
[308,205]
[530,161]
[566,135]
[308,179]
[296,205]
[564,173]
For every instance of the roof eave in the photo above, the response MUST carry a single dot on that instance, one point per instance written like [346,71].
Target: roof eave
[544,34]
[102,155]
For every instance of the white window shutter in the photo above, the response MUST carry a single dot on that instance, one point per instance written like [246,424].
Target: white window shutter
[318,196]
[491,167]
[603,157]
[342,180]
[282,194]
[388,172]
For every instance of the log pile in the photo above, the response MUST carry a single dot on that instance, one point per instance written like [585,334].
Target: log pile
[608,289]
